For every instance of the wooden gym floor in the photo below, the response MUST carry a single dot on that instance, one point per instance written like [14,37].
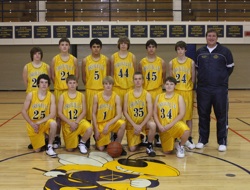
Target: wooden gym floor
[201,169]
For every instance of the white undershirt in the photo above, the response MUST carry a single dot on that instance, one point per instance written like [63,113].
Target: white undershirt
[211,49]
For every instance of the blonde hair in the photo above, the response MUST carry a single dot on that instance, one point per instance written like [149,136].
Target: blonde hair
[108,79]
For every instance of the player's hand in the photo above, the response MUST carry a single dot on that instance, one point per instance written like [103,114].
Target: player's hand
[35,127]
[140,183]
[137,129]
[105,130]
[54,173]
[73,126]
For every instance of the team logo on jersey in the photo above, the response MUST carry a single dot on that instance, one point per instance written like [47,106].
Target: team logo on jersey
[99,171]
[215,56]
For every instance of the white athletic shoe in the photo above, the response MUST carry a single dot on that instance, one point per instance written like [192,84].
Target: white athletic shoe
[51,152]
[190,143]
[82,147]
[199,145]
[222,148]
[180,151]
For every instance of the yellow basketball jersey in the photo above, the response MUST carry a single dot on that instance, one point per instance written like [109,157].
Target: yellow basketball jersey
[167,108]
[33,73]
[137,106]
[62,70]
[39,109]
[183,74]
[72,107]
[106,110]
[123,71]
[95,72]
[152,73]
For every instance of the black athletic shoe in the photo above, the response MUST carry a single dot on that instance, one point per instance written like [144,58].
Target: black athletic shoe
[150,151]
[57,142]
[144,140]
[30,147]
[157,140]
[124,153]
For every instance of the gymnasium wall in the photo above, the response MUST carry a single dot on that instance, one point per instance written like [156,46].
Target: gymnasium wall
[14,57]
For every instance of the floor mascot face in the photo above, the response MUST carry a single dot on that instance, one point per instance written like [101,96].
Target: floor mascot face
[99,171]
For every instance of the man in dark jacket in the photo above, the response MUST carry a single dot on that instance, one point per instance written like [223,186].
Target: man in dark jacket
[214,64]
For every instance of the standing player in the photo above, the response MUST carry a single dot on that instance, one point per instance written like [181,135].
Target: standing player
[63,65]
[38,110]
[106,115]
[33,69]
[138,111]
[94,68]
[123,66]
[153,69]
[72,110]
[182,69]
[169,109]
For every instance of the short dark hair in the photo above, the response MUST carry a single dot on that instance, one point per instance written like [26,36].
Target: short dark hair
[180,44]
[123,39]
[151,42]
[171,79]
[95,41]
[43,76]
[138,73]
[34,50]
[212,30]
[71,77]
[64,40]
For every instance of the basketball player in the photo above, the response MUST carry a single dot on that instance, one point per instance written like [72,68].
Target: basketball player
[182,68]
[34,68]
[106,115]
[94,68]
[153,69]
[169,109]
[137,110]
[72,110]
[123,66]
[38,110]
[63,65]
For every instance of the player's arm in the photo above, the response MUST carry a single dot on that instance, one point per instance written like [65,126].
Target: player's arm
[140,67]
[48,70]
[170,68]
[52,69]
[94,119]
[125,111]
[76,69]
[112,66]
[193,72]
[52,113]
[182,110]
[60,111]
[107,66]
[25,108]
[118,111]
[149,108]
[155,114]
[84,71]
[164,70]
[83,114]
[134,62]
[25,76]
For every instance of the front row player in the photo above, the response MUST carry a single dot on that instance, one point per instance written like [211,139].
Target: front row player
[72,110]
[138,111]
[38,110]
[169,109]
[106,115]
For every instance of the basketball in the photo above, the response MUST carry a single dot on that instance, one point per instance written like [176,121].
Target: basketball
[114,149]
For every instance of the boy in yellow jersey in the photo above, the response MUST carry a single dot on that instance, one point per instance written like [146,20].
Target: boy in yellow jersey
[106,115]
[122,68]
[153,69]
[138,109]
[169,110]
[72,110]
[182,69]
[95,67]
[38,110]
[34,68]
[62,65]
